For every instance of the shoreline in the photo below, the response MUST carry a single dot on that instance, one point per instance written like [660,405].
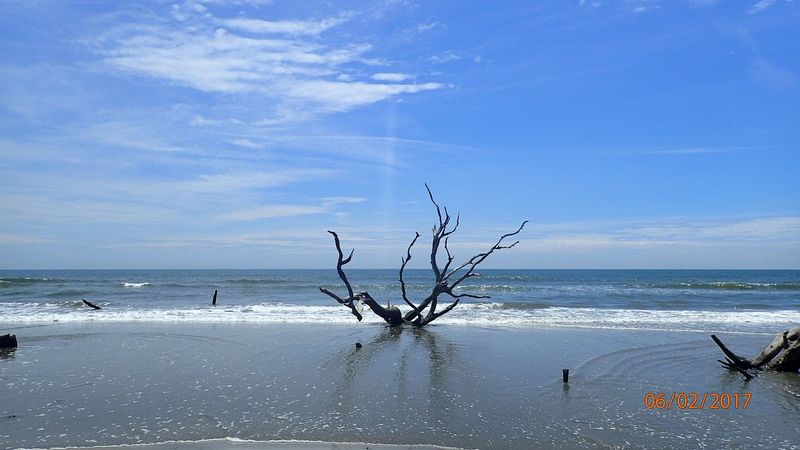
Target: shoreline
[242,444]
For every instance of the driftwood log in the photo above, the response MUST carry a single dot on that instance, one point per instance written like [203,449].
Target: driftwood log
[8,341]
[90,304]
[781,355]
[446,278]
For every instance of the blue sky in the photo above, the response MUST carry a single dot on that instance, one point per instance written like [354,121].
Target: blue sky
[233,133]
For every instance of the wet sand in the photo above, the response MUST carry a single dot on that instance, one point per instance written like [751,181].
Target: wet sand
[97,384]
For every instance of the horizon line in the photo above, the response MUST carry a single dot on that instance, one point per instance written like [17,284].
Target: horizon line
[397,268]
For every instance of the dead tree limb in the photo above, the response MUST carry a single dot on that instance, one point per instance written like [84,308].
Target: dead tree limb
[90,304]
[785,346]
[351,299]
[446,279]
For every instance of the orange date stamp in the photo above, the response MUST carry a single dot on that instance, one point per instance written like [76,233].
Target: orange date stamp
[696,400]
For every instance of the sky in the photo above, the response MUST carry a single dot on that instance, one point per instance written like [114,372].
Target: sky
[234,133]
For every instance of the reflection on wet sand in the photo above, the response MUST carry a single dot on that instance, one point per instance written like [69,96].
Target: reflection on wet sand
[7,353]
[405,355]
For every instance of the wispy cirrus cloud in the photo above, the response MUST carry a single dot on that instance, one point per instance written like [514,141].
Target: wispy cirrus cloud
[671,232]
[288,27]
[761,5]
[272,212]
[770,74]
[389,76]
[292,63]
[246,143]
[21,239]
[323,206]
[445,57]
[236,182]
[711,243]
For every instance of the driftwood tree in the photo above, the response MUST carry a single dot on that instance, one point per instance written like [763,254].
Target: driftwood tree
[782,355]
[446,278]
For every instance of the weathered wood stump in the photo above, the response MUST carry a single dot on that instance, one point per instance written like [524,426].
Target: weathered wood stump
[8,341]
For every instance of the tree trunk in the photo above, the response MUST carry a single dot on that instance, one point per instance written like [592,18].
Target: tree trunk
[391,314]
[785,346]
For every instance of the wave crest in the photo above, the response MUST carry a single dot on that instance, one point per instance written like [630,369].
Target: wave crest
[483,314]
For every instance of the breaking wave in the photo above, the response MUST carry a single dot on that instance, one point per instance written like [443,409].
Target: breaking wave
[494,314]
[738,286]
[27,280]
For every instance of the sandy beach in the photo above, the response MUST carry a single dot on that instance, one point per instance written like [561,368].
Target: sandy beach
[96,384]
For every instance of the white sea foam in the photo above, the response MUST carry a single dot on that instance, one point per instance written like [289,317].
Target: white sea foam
[135,285]
[472,314]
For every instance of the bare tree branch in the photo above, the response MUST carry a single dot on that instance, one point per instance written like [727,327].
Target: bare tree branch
[438,211]
[473,262]
[402,269]
[349,301]
[458,222]
[449,256]
[426,312]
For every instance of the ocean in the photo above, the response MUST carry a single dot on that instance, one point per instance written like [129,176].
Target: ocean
[758,301]
[276,360]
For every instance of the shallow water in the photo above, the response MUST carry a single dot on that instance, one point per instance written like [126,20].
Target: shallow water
[103,384]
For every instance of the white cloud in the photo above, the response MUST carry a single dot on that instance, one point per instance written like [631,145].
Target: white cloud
[674,231]
[389,76]
[640,6]
[341,96]
[761,6]
[331,201]
[11,239]
[240,181]
[428,26]
[592,3]
[272,212]
[770,74]
[324,206]
[288,63]
[254,3]
[127,135]
[444,57]
[289,27]
[247,143]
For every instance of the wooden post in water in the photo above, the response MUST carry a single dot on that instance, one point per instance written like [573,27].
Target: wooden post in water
[565,375]
[214,300]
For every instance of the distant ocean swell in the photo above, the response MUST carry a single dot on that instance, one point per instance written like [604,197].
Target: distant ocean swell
[486,283]
[490,314]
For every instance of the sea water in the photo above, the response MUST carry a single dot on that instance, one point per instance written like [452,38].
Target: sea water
[686,300]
